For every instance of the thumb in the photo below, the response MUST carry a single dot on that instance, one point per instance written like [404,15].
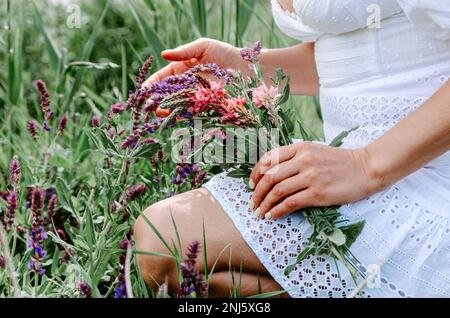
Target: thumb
[193,50]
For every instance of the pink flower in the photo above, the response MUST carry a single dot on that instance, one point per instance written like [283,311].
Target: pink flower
[205,97]
[264,95]
[234,106]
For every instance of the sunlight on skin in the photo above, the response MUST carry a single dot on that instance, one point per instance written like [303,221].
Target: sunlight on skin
[287,5]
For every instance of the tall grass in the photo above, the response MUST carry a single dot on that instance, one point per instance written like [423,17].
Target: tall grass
[87,69]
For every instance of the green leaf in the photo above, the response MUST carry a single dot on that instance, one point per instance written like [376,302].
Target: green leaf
[147,151]
[300,258]
[339,140]
[352,232]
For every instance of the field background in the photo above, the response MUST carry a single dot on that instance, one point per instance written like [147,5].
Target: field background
[87,69]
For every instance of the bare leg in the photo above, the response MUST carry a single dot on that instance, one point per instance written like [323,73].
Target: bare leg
[224,244]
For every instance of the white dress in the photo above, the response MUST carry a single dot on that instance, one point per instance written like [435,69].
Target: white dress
[371,78]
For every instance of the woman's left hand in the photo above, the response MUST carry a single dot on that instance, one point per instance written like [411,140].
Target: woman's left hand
[305,175]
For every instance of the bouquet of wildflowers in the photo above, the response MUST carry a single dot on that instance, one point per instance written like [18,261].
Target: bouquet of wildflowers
[220,120]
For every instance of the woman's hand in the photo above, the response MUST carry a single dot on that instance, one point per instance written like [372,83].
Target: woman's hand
[198,52]
[306,175]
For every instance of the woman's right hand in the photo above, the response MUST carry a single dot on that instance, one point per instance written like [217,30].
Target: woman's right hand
[200,51]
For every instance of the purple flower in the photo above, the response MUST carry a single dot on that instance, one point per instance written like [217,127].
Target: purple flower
[33,129]
[51,208]
[136,192]
[14,170]
[85,289]
[12,203]
[193,281]
[116,109]
[143,72]
[45,100]
[121,291]
[251,54]
[95,121]
[2,262]
[47,127]
[185,171]
[38,234]
[63,124]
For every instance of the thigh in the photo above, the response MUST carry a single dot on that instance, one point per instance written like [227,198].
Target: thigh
[194,212]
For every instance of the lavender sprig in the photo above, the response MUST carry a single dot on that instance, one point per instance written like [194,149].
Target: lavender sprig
[38,234]
[193,281]
[45,100]
[32,128]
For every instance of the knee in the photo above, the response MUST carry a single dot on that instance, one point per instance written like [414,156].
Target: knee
[155,269]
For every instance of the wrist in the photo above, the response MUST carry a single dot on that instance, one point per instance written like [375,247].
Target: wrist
[374,172]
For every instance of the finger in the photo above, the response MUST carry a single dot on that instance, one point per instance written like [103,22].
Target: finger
[300,200]
[188,51]
[273,177]
[281,191]
[169,70]
[269,160]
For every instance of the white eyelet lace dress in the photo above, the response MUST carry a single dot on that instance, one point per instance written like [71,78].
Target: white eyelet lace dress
[372,78]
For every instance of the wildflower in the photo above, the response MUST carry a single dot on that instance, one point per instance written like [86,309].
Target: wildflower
[85,289]
[116,109]
[45,100]
[38,234]
[143,72]
[251,54]
[47,127]
[183,171]
[193,281]
[265,96]
[14,170]
[12,205]
[111,133]
[95,121]
[2,262]
[121,291]
[51,208]
[33,129]
[62,124]
[205,98]
[136,192]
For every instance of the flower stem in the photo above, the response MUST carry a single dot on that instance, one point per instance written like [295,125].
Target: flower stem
[9,262]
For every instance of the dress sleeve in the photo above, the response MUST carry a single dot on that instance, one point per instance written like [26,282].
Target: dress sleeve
[290,24]
[430,15]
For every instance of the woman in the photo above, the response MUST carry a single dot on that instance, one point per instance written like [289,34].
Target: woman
[392,81]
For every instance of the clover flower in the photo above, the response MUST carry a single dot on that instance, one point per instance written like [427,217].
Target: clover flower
[62,124]
[14,170]
[193,281]
[33,129]
[85,289]
[38,234]
[136,192]
[95,121]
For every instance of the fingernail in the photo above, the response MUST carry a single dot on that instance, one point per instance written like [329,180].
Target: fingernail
[251,184]
[268,216]
[252,204]
[257,212]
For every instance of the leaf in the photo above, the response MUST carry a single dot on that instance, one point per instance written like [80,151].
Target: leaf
[337,237]
[339,140]
[149,35]
[302,256]
[147,151]
[239,173]
[286,92]
[91,65]
[352,232]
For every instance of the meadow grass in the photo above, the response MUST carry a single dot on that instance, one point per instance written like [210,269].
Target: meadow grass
[87,69]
